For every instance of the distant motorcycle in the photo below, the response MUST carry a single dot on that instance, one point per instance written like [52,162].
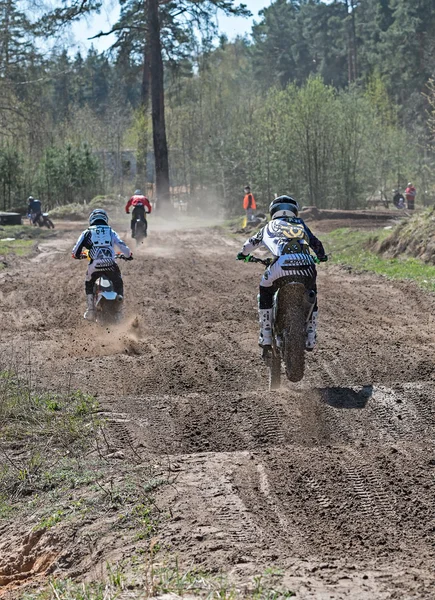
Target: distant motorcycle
[399,200]
[292,308]
[43,220]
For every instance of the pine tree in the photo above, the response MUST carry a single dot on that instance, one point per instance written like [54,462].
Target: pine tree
[16,44]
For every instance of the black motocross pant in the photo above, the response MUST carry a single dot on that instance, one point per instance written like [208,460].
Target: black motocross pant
[36,217]
[112,273]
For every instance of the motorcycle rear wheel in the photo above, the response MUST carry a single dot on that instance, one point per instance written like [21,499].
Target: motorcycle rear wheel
[107,314]
[139,233]
[294,346]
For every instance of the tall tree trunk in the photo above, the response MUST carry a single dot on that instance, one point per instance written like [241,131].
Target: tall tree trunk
[142,150]
[352,43]
[158,106]
[146,71]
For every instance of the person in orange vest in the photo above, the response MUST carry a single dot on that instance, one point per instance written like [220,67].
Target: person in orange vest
[410,194]
[249,203]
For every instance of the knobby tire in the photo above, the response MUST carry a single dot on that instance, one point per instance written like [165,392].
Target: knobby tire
[294,344]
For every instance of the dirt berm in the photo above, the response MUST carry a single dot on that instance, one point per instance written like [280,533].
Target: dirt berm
[318,214]
[331,480]
[414,237]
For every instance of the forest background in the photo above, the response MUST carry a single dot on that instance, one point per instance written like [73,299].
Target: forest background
[332,102]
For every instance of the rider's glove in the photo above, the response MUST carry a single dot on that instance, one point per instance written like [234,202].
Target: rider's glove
[127,211]
[323,258]
[242,256]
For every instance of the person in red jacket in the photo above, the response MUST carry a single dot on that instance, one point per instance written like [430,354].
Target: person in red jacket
[249,203]
[410,194]
[141,206]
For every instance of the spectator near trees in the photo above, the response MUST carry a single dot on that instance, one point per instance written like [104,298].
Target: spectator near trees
[249,204]
[410,194]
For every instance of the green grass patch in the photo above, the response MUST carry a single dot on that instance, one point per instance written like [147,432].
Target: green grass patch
[358,249]
[19,240]
[38,431]
[59,471]
[201,584]
[152,581]
[17,247]
[26,232]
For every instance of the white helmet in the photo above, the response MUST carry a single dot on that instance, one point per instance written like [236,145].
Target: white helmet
[98,215]
[283,207]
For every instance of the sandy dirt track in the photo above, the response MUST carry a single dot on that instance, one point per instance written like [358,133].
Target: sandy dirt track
[331,479]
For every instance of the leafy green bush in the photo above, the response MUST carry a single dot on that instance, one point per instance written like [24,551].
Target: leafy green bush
[70,212]
[68,173]
[108,202]
[80,212]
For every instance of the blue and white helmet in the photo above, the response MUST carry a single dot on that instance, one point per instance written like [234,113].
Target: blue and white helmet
[98,215]
[283,207]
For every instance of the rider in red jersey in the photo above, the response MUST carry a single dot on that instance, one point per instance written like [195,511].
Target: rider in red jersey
[141,206]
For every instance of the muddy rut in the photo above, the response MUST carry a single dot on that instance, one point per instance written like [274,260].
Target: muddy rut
[331,479]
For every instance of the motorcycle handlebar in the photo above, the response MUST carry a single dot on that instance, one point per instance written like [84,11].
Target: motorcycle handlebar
[264,261]
[268,261]
[117,256]
[122,257]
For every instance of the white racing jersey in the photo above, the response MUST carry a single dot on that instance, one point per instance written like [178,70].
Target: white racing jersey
[287,236]
[100,241]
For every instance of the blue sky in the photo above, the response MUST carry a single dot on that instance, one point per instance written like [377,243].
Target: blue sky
[232,26]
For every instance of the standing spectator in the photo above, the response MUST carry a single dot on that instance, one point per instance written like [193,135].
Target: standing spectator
[249,203]
[410,194]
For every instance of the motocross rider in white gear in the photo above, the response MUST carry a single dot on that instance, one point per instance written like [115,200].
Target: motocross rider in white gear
[289,239]
[100,241]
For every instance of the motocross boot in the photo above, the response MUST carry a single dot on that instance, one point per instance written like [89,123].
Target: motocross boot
[310,340]
[265,317]
[90,311]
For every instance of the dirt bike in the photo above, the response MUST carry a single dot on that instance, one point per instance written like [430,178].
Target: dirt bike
[140,227]
[43,220]
[106,302]
[292,308]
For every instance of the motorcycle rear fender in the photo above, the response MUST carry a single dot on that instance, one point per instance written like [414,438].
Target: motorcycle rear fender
[107,296]
[105,291]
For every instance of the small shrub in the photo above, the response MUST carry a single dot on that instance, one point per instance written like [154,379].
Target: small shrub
[109,202]
[70,212]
